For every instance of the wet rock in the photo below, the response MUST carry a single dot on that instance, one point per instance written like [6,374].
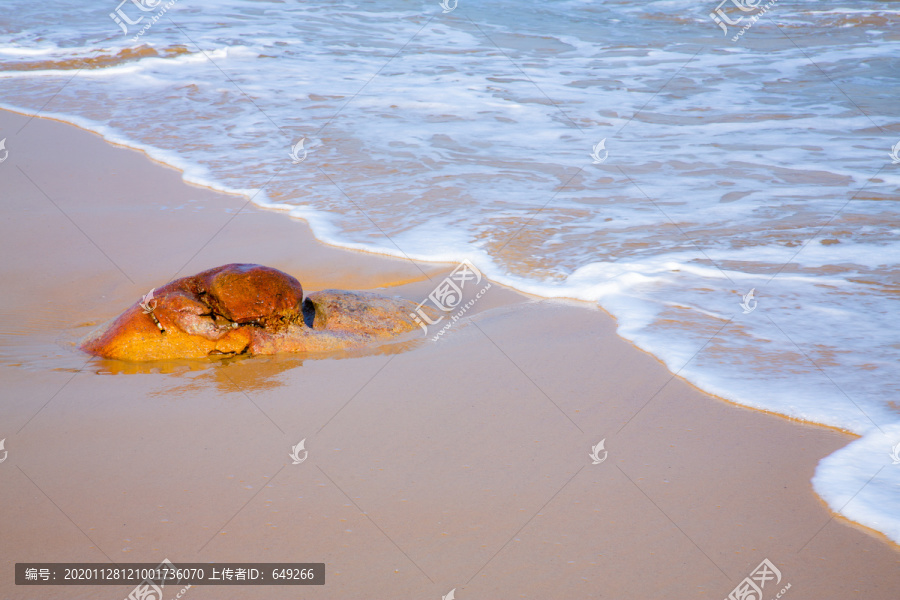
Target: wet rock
[356,312]
[247,309]
[250,294]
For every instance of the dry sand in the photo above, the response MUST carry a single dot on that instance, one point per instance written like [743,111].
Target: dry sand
[461,463]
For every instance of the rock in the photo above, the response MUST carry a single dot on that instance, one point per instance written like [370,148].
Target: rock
[354,312]
[247,309]
[251,294]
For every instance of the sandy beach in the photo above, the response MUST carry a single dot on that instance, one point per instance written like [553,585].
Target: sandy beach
[458,464]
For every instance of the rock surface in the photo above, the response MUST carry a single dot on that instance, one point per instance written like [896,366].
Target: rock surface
[247,309]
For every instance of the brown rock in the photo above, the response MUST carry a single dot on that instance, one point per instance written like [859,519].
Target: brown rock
[251,294]
[360,312]
[248,309]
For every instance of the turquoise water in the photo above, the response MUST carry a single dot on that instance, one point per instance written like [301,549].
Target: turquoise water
[759,164]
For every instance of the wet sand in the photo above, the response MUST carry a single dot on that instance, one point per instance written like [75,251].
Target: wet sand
[457,464]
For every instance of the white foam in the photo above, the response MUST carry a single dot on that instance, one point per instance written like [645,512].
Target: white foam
[861,481]
[742,165]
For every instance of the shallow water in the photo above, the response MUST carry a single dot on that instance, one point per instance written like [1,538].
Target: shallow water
[762,163]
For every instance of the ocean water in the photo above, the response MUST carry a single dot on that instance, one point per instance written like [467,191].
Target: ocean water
[729,162]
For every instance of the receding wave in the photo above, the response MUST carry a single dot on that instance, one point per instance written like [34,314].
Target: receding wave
[739,218]
[100,60]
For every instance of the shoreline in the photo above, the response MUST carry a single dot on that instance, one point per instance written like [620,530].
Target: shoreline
[96,289]
[438,265]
